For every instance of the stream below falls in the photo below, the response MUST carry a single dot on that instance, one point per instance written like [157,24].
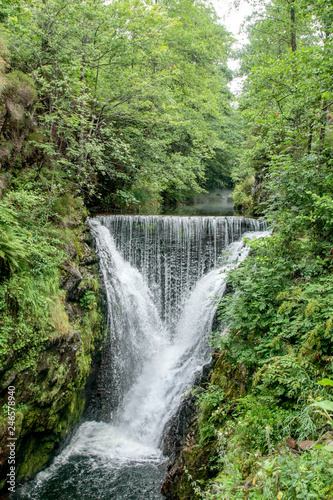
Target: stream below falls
[163,276]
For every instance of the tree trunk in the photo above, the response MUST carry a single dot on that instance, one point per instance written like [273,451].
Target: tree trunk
[323,124]
[310,136]
[293,29]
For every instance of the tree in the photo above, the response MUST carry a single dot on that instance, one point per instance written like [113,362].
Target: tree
[132,94]
[288,90]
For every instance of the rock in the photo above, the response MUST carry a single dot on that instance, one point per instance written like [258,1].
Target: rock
[291,443]
[71,251]
[176,431]
[86,257]
[11,378]
[304,445]
[70,282]
[70,310]
[180,437]
[326,439]
[8,380]
[167,488]
[75,336]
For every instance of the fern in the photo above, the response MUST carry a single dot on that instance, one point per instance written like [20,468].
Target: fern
[13,251]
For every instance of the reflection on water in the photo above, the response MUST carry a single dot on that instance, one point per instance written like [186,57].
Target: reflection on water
[216,202]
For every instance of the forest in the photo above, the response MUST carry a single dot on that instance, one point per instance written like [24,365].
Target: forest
[124,107]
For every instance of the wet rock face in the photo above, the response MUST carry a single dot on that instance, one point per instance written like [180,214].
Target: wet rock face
[179,436]
[178,428]
[50,411]
[70,282]
[77,276]
[176,439]
[191,463]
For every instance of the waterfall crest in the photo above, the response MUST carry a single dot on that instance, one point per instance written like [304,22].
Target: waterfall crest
[172,253]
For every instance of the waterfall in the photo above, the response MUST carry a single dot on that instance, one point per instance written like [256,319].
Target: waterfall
[163,277]
[172,253]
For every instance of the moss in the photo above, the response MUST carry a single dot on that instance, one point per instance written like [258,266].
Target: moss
[198,471]
[40,444]
[38,452]
[194,468]
[234,380]
[48,418]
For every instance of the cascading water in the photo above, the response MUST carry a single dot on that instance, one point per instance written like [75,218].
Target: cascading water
[163,277]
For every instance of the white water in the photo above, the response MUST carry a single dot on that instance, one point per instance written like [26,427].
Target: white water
[154,353]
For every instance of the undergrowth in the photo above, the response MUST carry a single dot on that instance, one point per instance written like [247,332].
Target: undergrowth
[264,396]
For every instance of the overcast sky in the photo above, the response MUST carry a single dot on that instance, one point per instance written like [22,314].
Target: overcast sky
[232,19]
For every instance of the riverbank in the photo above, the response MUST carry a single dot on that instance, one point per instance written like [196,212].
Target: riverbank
[50,321]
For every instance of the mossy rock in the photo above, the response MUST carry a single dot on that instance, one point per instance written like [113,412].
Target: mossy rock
[38,449]
[234,380]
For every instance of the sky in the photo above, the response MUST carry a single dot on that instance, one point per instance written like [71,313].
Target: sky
[232,19]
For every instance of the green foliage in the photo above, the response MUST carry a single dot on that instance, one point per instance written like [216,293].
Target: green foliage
[326,382]
[280,476]
[242,195]
[252,461]
[287,99]
[31,302]
[135,103]
[88,300]
[12,249]
[260,425]
[42,230]
[212,412]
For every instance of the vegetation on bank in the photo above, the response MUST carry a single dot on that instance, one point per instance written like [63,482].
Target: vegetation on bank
[264,429]
[50,321]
